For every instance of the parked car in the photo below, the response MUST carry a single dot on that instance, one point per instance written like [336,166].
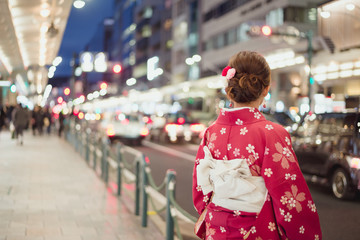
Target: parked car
[175,127]
[328,150]
[126,127]
[281,118]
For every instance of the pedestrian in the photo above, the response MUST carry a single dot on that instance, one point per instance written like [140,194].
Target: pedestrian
[21,120]
[247,183]
[47,120]
[61,123]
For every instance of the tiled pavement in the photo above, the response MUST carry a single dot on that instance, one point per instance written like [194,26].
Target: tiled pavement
[47,192]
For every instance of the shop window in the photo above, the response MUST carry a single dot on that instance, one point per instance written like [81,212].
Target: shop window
[146,31]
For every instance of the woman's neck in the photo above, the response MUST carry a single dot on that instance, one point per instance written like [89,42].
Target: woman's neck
[254,104]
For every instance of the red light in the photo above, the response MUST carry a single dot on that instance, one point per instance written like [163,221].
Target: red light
[144,132]
[103,85]
[60,100]
[181,120]
[76,111]
[67,91]
[117,68]
[266,30]
[81,115]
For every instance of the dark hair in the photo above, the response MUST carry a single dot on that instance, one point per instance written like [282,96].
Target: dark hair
[251,78]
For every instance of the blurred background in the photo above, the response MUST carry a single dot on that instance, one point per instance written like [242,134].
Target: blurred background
[148,73]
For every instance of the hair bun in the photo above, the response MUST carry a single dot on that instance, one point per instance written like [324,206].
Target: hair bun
[251,78]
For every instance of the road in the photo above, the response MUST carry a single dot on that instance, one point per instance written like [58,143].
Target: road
[339,219]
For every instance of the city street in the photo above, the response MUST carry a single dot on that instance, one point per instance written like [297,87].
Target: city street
[339,219]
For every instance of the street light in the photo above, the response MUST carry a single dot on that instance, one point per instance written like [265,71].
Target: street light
[79,4]
[194,59]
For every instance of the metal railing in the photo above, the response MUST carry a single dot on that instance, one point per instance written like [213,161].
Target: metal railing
[137,172]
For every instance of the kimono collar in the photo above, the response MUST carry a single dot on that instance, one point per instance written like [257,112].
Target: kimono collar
[239,116]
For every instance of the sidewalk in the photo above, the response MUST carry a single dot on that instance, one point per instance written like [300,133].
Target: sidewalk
[47,192]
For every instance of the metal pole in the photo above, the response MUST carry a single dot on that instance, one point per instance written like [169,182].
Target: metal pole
[120,165]
[309,36]
[95,154]
[170,186]
[87,153]
[145,169]
[137,188]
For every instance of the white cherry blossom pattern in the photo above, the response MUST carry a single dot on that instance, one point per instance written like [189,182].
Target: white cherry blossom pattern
[302,230]
[268,172]
[269,127]
[312,206]
[272,226]
[316,237]
[250,148]
[223,131]
[256,156]
[225,158]
[267,150]
[243,131]
[217,153]
[222,229]
[237,213]
[253,229]
[242,231]
[239,122]
[211,216]
[252,109]
[282,211]
[288,217]
[205,199]
[284,200]
[236,152]
[197,161]
[222,112]
[257,115]
[198,188]
[292,202]
[289,176]
[287,140]
[229,146]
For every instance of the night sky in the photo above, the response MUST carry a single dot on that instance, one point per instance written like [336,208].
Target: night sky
[80,29]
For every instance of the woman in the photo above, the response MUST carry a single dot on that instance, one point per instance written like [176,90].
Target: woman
[246,175]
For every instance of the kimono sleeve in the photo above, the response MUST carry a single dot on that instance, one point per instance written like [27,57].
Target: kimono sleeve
[199,199]
[294,209]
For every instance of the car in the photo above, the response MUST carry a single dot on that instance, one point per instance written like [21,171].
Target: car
[129,128]
[328,150]
[281,118]
[176,127]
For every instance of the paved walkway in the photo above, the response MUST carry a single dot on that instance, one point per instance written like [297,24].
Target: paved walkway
[47,192]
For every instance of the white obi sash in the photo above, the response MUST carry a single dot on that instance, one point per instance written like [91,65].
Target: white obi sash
[232,183]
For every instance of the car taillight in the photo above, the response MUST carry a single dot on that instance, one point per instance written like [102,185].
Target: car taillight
[110,132]
[144,132]
[197,127]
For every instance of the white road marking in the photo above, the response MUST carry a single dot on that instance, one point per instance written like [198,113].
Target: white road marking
[170,151]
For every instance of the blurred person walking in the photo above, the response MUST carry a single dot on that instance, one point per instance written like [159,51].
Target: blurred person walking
[247,183]
[21,120]
[2,118]
[47,120]
[61,123]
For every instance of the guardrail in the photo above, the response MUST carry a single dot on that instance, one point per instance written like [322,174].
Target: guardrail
[93,149]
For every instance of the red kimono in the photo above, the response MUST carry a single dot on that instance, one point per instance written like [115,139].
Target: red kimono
[288,211]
